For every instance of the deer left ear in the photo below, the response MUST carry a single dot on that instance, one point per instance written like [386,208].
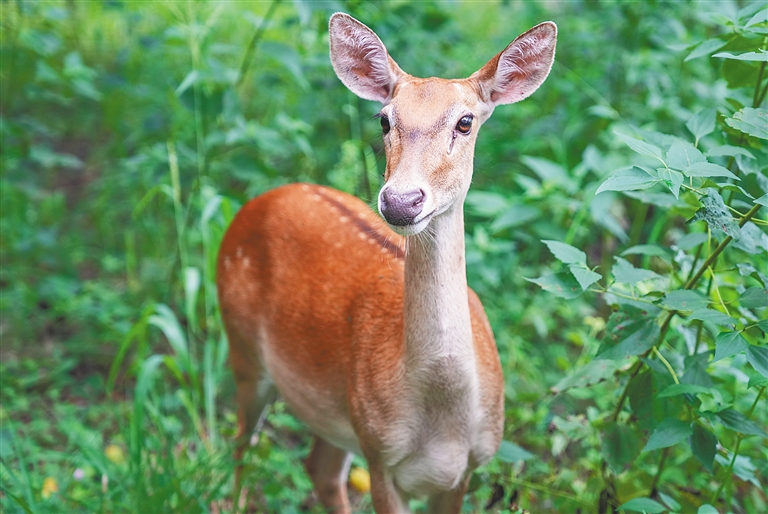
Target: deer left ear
[360,59]
[521,68]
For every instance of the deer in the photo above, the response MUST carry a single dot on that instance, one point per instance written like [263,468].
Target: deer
[365,325]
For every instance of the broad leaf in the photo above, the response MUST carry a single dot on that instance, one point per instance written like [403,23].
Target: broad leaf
[751,121]
[712,316]
[754,297]
[707,509]
[758,357]
[620,447]
[629,337]
[707,169]
[592,373]
[728,344]
[763,200]
[668,433]
[705,48]
[678,389]
[625,273]
[747,56]
[641,147]
[647,249]
[703,122]
[672,179]
[729,151]
[549,171]
[738,422]
[514,217]
[682,155]
[685,300]
[628,179]
[510,452]
[566,253]
[585,277]
[643,505]
[703,445]
[562,285]
[716,214]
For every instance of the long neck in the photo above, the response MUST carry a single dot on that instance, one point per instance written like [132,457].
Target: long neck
[436,310]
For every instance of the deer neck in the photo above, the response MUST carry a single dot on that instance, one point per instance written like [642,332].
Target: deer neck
[436,310]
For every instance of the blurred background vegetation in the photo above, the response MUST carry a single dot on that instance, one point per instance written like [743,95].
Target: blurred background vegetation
[133,131]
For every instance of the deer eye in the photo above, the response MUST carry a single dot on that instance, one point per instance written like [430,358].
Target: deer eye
[385,124]
[464,125]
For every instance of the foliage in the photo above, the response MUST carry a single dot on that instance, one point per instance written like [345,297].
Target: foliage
[628,187]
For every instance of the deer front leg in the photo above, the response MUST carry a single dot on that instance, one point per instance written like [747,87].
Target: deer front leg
[387,499]
[328,467]
[448,502]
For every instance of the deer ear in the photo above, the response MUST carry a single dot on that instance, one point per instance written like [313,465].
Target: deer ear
[521,68]
[360,59]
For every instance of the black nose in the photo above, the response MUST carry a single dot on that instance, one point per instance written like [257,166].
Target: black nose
[401,209]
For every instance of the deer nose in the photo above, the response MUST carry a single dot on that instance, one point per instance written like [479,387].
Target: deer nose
[400,209]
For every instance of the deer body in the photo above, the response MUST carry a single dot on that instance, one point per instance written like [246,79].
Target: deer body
[368,331]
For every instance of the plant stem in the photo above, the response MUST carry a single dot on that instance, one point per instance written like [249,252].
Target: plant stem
[728,471]
[546,490]
[251,49]
[756,98]
[655,482]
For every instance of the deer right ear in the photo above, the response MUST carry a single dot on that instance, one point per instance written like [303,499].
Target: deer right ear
[360,59]
[521,68]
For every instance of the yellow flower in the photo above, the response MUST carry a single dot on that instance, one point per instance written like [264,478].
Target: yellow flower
[114,453]
[360,480]
[50,486]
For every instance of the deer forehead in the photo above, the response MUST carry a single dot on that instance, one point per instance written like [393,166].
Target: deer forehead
[431,104]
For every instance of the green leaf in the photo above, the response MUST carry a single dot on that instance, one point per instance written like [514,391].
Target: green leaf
[670,502]
[707,509]
[549,171]
[703,122]
[716,214]
[620,446]
[685,300]
[514,217]
[585,277]
[191,78]
[728,344]
[712,316]
[643,505]
[654,250]
[703,445]
[678,389]
[759,17]
[750,121]
[625,273]
[705,48]
[738,422]
[690,241]
[757,381]
[510,452]
[641,147]
[747,56]
[486,204]
[682,155]
[628,179]
[758,357]
[763,200]
[563,285]
[628,338]
[566,253]
[729,151]
[672,179]
[707,169]
[593,372]
[668,433]
[754,297]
